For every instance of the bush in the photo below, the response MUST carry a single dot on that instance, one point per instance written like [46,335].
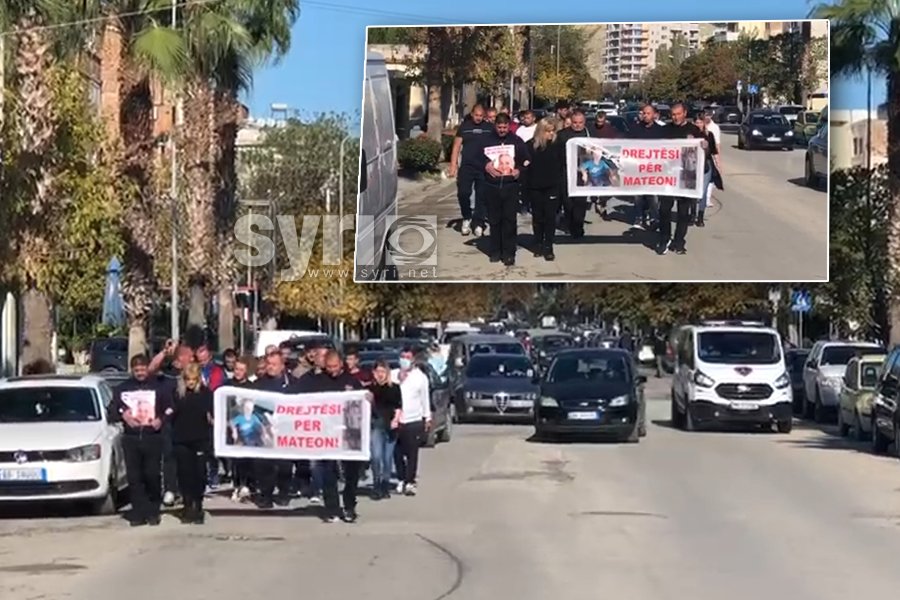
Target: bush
[420,154]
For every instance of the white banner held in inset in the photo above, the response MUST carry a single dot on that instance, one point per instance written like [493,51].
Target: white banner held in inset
[324,426]
[622,167]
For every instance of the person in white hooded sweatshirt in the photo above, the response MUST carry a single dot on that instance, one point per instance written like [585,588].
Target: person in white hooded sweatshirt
[415,420]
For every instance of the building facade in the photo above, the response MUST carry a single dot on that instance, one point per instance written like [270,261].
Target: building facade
[632,49]
[849,139]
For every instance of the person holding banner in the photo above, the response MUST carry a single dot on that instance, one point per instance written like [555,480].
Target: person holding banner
[272,472]
[679,128]
[386,404]
[192,437]
[646,129]
[506,159]
[574,208]
[415,420]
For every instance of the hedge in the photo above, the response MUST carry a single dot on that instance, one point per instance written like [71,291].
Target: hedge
[419,154]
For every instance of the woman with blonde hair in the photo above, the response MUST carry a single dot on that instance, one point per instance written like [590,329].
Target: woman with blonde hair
[192,439]
[546,175]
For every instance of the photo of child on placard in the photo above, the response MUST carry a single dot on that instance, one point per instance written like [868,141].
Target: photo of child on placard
[502,157]
[596,167]
[249,426]
[142,404]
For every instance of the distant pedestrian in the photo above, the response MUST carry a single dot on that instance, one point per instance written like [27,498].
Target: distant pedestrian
[660,346]
[387,403]
[415,420]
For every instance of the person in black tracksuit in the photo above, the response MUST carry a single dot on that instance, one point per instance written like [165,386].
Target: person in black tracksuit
[603,129]
[466,166]
[501,192]
[574,208]
[335,379]
[142,441]
[548,161]
[270,473]
[679,128]
[192,440]
[646,129]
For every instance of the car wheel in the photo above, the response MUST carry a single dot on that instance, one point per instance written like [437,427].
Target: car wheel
[879,442]
[843,428]
[810,173]
[689,423]
[820,413]
[634,436]
[642,431]
[858,432]
[789,148]
[108,505]
[807,407]
[676,418]
[740,142]
[785,426]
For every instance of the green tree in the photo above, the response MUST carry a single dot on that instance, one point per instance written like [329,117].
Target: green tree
[865,36]
[562,46]
[714,71]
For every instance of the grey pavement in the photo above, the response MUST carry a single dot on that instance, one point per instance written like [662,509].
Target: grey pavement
[693,516]
[765,226]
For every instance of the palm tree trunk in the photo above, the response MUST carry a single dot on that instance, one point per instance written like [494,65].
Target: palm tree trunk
[226,319]
[893,85]
[228,117]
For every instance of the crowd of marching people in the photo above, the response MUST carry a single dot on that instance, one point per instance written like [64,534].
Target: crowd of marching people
[169,454]
[537,182]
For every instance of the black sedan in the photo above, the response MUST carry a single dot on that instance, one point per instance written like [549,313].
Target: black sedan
[765,129]
[592,391]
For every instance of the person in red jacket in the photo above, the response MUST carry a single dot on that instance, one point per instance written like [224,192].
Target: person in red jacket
[213,375]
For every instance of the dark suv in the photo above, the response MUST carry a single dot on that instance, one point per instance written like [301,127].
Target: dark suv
[111,354]
[885,409]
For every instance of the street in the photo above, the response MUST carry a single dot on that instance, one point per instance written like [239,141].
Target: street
[681,515]
[765,226]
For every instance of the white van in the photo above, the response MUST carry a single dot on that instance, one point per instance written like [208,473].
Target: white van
[730,373]
[377,203]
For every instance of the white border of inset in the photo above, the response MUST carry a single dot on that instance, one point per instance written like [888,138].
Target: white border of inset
[624,281]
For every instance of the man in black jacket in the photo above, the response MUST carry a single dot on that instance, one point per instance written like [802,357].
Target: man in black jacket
[679,128]
[647,129]
[574,208]
[270,473]
[336,379]
[142,404]
[501,188]
[465,164]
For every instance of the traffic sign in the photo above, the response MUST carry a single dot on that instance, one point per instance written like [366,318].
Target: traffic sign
[753,88]
[801,301]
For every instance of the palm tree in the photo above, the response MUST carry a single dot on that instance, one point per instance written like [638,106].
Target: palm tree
[865,37]
[36,48]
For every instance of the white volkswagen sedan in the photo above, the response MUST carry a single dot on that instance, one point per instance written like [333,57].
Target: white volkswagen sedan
[56,443]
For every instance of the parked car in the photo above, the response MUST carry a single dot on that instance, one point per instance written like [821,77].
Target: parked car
[858,395]
[730,115]
[591,391]
[790,111]
[111,354]
[545,345]
[806,125]
[815,171]
[885,417]
[824,373]
[443,413]
[765,129]
[57,443]
[498,386]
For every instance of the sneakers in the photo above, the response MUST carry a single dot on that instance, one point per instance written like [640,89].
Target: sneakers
[495,258]
[244,493]
[663,247]
[410,489]
[401,487]
[349,516]
[331,519]
[169,499]
[466,227]
[509,261]
[316,500]
[638,224]
[681,250]
[478,231]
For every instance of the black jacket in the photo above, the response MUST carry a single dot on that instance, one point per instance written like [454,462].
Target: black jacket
[387,400]
[158,391]
[522,157]
[546,165]
[642,132]
[324,382]
[284,383]
[190,419]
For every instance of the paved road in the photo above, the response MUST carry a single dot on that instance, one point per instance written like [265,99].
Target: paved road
[703,516]
[765,226]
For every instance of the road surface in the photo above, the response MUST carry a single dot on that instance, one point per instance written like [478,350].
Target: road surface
[700,516]
[765,226]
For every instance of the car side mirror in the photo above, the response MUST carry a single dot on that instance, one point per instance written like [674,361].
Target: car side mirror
[640,379]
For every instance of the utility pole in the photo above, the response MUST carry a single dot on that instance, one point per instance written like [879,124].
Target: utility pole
[530,70]
[173,192]
[512,74]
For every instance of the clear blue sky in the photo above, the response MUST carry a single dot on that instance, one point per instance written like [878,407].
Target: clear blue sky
[323,72]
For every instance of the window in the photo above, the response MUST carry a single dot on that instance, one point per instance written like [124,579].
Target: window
[868,378]
[598,369]
[850,375]
[494,366]
[384,108]
[739,347]
[841,355]
[48,405]
[369,137]
[106,394]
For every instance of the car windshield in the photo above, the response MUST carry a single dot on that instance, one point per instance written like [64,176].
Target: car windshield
[497,366]
[738,347]
[589,368]
[812,117]
[48,404]
[768,120]
[452,335]
[868,375]
[841,355]
[497,348]
[555,342]
[373,357]
[790,110]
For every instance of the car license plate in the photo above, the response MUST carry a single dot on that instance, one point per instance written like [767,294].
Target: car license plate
[744,405]
[584,416]
[774,139]
[23,475]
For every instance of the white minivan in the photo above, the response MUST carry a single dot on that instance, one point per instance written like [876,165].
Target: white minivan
[731,373]
[377,203]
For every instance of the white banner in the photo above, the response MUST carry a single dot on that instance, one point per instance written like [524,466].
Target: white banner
[621,167]
[327,426]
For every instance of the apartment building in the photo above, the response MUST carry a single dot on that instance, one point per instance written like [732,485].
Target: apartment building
[631,49]
[849,139]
